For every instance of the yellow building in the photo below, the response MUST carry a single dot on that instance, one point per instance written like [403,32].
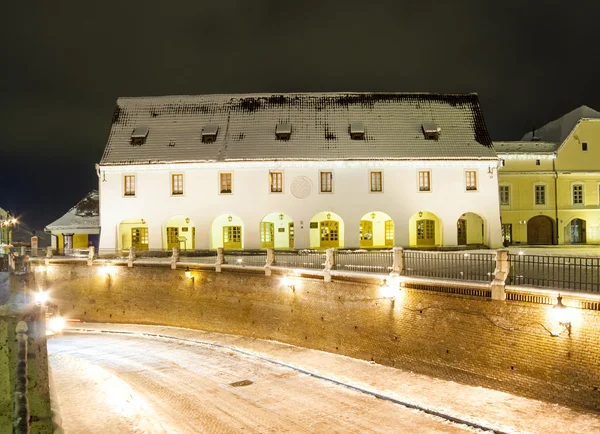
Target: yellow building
[549,184]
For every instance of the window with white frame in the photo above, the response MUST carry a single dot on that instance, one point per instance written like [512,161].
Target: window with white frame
[376,182]
[424,180]
[129,185]
[504,195]
[471,180]
[326,182]
[177,184]
[225,183]
[276,182]
[577,194]
[540,194]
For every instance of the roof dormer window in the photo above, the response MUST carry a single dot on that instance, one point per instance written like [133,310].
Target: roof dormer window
[431,131]
[209,133]
[138,136]
[283,131]
[357,130]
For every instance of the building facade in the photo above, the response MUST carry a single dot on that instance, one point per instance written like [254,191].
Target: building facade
[298,171]
[550,190]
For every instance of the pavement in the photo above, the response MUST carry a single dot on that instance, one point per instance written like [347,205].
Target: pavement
[410,402]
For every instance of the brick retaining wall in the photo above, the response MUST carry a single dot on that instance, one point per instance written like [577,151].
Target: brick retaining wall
[478,341]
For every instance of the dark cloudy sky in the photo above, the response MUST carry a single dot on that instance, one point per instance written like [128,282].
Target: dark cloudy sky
[66,62]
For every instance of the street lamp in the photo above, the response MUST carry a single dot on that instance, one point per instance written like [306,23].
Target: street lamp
[7,223]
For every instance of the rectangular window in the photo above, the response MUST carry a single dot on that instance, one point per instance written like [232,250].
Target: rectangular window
[578,194]
[376,184]
[225,183]
[537,162]
[584,146]
[326,182]
[471,180]
[507,233]
[504,195]
[424,180]
[177,184]
[276,181]
[129,185]
[540,195]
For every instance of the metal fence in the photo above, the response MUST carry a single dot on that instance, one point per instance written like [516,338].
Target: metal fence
[244,258]
[563,272]
[380,262]
[450,265]
[307,259]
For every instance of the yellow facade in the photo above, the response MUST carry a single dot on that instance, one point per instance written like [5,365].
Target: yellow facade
[569,181]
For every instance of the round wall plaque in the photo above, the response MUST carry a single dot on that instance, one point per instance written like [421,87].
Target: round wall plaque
[301,187]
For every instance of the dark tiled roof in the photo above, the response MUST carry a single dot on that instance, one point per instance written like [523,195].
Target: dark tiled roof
[524,147]
[319,122]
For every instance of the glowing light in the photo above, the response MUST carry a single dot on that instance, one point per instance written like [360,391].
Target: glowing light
[188,273]
[56,324]
[467,255]
[390,288]
[521,253]
[107,270]
[40,297]
[41,268]
[240,260]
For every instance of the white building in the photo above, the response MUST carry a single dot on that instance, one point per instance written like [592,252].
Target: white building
[318,170]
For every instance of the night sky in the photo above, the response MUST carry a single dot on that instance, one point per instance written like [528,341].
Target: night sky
[66,62]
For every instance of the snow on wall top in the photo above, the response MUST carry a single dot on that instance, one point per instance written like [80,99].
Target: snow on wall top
[524,147]
[84,215]
[319,121]
[558,130]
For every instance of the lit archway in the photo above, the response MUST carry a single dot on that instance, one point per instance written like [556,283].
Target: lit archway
[277,231]
[179,232]
[470,230]
[133,232]
[326,230]
[376,230]
[575,231]
[425,230]
[227,231]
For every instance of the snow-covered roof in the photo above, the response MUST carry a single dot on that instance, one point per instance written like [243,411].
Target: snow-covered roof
[525,147]
[84,215]
[558,130]
[321,122]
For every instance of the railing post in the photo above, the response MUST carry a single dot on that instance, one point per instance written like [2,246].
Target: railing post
[48,255]
[21,404]
[329,263]
[23,251]
[398,265]
[270,261]
[131,257]
[91,255]
[498,285]
[175,258]
[219,259]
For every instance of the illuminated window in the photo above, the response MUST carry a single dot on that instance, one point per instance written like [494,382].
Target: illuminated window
[540,195]
[129,185]
[376,182]
[326,182]
[504,195]
[577,194]
[424,180]
[471,180]
[225,182]
[177,184]
[276,181]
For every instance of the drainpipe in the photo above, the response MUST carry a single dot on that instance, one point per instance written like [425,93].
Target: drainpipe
[555,198]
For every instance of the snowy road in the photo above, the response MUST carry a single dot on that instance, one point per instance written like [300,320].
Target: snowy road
[124,384]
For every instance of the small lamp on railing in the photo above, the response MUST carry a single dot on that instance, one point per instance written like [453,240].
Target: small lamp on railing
[289,282]
[562,314]
[188,275]
[390,288]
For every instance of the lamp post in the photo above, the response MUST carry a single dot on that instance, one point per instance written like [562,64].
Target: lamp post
[7,223]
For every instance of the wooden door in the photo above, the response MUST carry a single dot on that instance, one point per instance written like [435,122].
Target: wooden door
[172,237]
[366,233]
[425,232]
[232,237]
[267,235]
[461,232]
[291,234]
[540,230]
[330,233]
[139,238]
[389,233]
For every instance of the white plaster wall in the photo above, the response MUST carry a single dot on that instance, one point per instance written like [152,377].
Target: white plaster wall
[252,200]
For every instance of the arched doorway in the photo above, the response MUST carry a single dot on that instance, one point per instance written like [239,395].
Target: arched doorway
[376,230]
[227,232]
[540,230]
[179,232]
[133,232]
[470,230]
[326,230]
[425,229]
[577,231]
[277,231]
